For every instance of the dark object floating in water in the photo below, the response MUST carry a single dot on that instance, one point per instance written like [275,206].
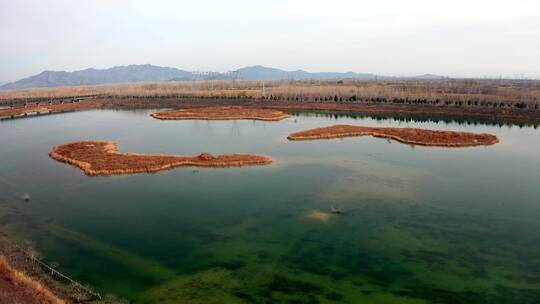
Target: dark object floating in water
[336,210]
[26,197]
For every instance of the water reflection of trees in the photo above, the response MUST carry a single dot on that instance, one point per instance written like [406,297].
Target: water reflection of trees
[421,118]
[235,129]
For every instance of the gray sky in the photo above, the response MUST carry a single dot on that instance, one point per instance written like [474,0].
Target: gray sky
[471,38]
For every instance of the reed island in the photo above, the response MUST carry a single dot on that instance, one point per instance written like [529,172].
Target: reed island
[222,113]
[410,136]
[103,158]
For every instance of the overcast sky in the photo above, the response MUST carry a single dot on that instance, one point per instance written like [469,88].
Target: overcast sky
[471,38]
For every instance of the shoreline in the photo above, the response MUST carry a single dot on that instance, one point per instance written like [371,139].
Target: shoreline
[465,112]
[17,287]
[49,108]
[411,136]
[103,158]
[518,115]
[22,283]
[26,278]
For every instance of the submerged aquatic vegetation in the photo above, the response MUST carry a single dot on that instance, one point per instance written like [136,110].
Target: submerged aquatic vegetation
[419,227]
[319,216]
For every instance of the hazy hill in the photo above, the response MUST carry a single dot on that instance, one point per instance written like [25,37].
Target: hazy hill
[119,74]
[429,77]
[264,73]
[151,73]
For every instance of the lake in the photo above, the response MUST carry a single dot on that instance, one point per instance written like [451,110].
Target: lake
[421,224]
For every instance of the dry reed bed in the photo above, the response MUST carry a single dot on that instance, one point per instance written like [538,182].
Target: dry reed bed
[222,113]
[16,287]
[444,90]
[103,158]
[410,136]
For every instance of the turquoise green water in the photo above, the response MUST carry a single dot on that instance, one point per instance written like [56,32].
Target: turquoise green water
[422,225]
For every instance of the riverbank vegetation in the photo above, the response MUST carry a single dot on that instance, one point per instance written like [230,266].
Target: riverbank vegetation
[17,287]
[467,93]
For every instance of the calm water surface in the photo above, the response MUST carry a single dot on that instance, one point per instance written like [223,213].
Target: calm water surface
[422,225]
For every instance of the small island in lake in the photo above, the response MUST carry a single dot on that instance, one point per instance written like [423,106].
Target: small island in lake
[222,113]
[411,136]
[103,158]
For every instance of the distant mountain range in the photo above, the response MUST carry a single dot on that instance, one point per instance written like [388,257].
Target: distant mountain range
[152,73]
[120,74]
[263,73]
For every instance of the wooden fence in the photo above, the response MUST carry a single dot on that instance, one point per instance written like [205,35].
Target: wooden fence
[79,294]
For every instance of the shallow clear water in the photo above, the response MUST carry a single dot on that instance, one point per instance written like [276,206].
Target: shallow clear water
[422,225]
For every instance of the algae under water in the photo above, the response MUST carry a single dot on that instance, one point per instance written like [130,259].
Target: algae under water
[421,224]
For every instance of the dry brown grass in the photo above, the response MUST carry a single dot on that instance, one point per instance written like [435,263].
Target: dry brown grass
[16,287]
[461,92]
[454,91]
[222,113]
[103,158]
[181,88]
[410,136]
